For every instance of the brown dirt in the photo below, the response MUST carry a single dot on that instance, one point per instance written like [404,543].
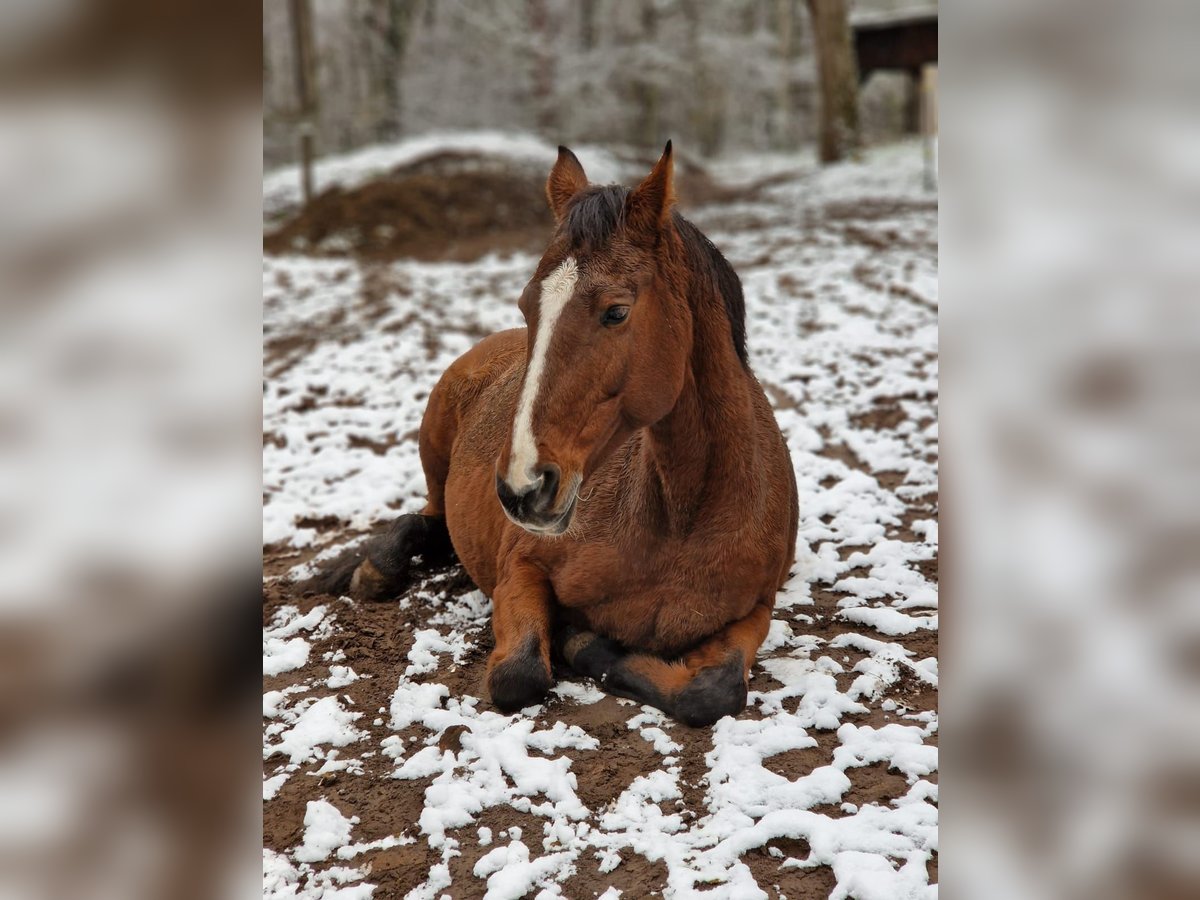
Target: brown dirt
[422,216]
[455,208]
[376,637]
[449,206]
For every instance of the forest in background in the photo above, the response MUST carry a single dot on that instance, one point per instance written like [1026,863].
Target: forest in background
[717,77]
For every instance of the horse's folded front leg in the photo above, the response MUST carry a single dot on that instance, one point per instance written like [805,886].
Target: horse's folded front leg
[706,684]
[518,671]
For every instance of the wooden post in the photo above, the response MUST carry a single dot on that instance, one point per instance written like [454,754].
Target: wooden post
[929,123]
[837,76]
[302,54]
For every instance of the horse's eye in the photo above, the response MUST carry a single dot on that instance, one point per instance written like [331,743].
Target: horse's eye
[614,315]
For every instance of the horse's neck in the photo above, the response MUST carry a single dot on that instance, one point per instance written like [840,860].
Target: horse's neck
[699,455]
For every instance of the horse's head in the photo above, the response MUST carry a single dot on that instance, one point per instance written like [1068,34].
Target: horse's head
[610,333]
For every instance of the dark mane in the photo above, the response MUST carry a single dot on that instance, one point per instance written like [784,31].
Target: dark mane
[707,257]
[596,214]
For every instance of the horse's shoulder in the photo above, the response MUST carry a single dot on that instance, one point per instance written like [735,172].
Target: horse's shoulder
[486,364]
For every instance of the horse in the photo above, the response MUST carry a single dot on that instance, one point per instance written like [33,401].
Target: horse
[612,475]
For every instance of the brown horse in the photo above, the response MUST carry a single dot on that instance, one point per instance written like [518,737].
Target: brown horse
[612,475]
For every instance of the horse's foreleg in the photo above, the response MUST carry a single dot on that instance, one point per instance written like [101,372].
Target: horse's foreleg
[518,672]
[707,683]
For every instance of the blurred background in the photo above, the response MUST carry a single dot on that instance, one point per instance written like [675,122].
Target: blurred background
[130,378]
[717,78]
[409,128]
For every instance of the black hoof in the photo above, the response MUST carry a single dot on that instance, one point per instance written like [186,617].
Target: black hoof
[380,568]
[520,679]
[587,653]
[713,694]
[409,536]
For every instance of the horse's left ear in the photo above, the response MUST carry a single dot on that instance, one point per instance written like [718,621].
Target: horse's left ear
[649,206]
[567,179]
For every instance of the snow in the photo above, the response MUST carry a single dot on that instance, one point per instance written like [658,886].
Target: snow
[494,768]
[283,653]
[869,876]
[511,874]
[324,721]
[842,322]
[341,676]
[325,830]
[284,881]
[888,621]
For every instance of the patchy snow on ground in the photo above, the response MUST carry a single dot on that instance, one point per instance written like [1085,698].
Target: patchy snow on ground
[380,748]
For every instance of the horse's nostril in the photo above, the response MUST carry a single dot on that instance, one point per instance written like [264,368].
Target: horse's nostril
[536,498]
[510,499]
[548,490]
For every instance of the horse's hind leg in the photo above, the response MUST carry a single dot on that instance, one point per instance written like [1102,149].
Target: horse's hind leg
[389,558]
[378,568]
[706,684]
[382,566]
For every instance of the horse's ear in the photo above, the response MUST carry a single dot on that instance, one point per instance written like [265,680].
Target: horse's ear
[649,206]
[567,179]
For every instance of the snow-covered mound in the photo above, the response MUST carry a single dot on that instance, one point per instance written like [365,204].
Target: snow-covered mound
[281,187]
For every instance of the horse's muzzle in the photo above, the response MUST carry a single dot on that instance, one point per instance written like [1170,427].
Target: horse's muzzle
[532,507]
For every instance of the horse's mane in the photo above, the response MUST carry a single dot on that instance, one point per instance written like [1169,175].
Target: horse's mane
[595,215]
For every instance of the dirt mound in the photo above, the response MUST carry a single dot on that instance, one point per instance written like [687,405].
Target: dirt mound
[450,206]
[445,207]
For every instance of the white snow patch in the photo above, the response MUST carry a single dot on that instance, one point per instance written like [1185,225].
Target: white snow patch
[325,830]
[325,721]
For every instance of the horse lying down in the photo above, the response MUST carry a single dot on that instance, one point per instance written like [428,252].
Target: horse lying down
[611,475]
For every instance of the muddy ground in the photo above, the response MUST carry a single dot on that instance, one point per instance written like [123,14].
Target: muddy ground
[375,638]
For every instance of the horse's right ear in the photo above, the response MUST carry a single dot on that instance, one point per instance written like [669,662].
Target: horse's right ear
[567,179]
[649,205]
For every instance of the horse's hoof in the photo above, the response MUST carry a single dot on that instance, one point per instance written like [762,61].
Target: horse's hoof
[519,680]
[369,584]
[587,653]
[713,694]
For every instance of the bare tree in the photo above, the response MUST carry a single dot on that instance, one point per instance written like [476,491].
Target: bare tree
[302,57]
[543,64]
[838,130]
[386,27]
[790,107]
[645,84]
[717,77]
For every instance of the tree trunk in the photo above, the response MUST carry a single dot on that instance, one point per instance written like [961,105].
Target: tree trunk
[306,90]
[783,132]
[543,67]
[399,23]
[587,24]
[646,132]
[708,110]
[837,73]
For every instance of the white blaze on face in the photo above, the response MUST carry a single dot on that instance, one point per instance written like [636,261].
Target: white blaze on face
[557,289]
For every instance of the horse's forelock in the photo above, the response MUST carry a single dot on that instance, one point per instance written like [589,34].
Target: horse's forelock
[596,214]
[594,217]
